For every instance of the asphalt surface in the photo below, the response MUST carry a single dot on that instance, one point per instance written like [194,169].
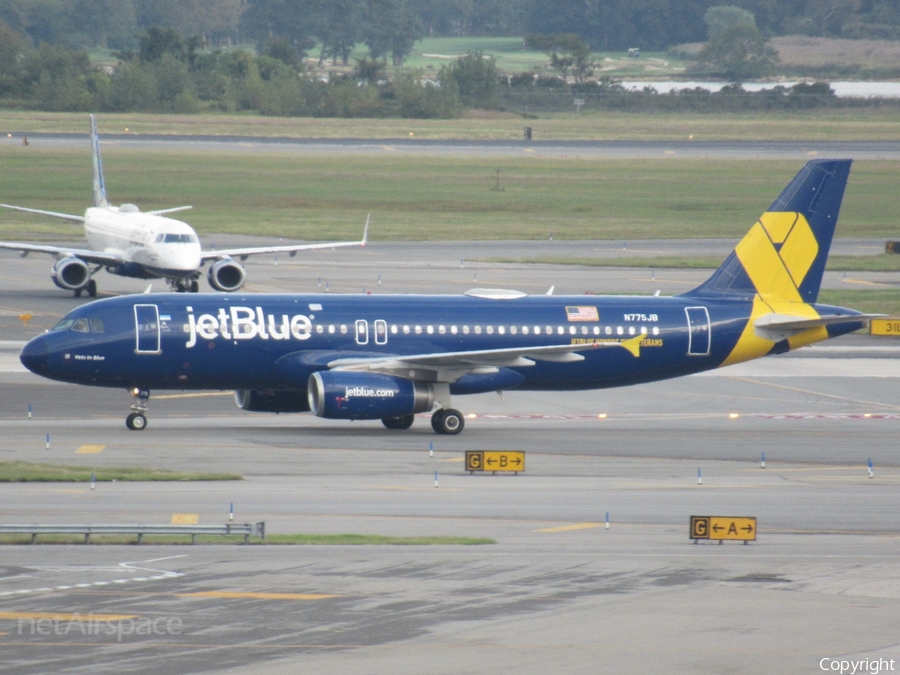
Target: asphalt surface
[557,592]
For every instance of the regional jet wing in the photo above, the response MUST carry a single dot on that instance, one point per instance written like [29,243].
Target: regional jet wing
[65,216]
[449,366]
[778,327]
[92,257]
[244,253]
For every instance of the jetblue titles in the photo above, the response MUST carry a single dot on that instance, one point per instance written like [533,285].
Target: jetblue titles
[246,323]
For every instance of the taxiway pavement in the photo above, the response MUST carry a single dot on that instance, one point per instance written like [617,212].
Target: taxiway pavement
[558,591]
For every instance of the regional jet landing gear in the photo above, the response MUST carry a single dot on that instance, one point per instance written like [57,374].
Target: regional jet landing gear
[184,285]
[91,289]
[447,421]
[137,420]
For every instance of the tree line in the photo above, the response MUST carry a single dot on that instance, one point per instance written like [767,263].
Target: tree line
[389,27]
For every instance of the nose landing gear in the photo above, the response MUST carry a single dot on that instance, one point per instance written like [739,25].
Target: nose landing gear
[137,420]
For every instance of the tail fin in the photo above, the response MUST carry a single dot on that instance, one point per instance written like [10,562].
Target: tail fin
[99,185]
[783,256]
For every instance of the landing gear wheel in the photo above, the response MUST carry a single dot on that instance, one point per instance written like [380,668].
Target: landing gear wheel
[136,422]
[437,420]
[402,422]
[449,422]
[92,288]
[78,292]
[195,287]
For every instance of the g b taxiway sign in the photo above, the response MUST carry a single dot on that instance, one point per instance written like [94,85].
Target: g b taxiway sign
[495,460]
[723,528]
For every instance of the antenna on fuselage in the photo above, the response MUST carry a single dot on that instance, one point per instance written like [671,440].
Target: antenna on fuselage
[99,184]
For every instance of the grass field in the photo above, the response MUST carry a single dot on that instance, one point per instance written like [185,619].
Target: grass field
[838,263]
[860,124]
[878,301]
[27,472]
[429,198]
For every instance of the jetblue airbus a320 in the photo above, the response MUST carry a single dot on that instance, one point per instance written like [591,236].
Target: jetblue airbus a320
[367,357]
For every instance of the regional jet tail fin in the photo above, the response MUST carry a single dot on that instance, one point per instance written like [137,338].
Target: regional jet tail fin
[99,184]
[783,256]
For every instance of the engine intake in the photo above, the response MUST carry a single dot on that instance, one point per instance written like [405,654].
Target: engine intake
[345,395]
[278,401]
[71,274]
[226,275]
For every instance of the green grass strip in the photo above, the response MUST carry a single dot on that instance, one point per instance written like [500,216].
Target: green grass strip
[26,472]
[875,301]
[274,539]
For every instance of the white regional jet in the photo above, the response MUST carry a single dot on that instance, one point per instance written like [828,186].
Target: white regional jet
[145,245]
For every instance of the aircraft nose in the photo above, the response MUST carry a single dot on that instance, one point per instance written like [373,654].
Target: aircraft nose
[35,355]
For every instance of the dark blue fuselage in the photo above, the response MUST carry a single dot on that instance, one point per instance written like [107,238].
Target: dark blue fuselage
[248,341]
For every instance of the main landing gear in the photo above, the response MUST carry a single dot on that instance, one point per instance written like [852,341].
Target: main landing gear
[447,421]
[91,289]
[402,422]
[137,420]
[184,286]
[444,421]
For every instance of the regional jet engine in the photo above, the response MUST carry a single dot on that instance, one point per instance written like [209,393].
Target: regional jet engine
[71,274]
[226,275]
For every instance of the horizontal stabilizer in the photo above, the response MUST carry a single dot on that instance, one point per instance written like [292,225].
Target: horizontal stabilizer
[778,327]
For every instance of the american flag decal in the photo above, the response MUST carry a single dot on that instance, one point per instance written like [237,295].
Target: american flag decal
[582,314]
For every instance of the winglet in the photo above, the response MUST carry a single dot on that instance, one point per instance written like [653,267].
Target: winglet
[99,184]
[633,345]
[552,288]
[365,238]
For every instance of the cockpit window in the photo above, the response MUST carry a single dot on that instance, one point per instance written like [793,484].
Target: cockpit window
[65,324]
[175,238]
[96,326]
[81,326]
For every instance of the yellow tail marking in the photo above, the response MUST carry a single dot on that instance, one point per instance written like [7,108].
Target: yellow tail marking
[799,250]
[750,345]
[778,224]
[777,276]
[778,273]
[765,267]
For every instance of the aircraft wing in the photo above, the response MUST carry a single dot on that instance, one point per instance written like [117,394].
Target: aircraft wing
[450,366]
[173,209]
[93,257]
[777,327]
[65,216]
[244,253]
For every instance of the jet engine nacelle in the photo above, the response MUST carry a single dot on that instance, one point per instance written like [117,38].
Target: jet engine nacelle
[226,275]
[71,274]
[336,394]
[279,401]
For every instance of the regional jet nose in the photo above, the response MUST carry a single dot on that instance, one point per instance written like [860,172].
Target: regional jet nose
[35,355]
